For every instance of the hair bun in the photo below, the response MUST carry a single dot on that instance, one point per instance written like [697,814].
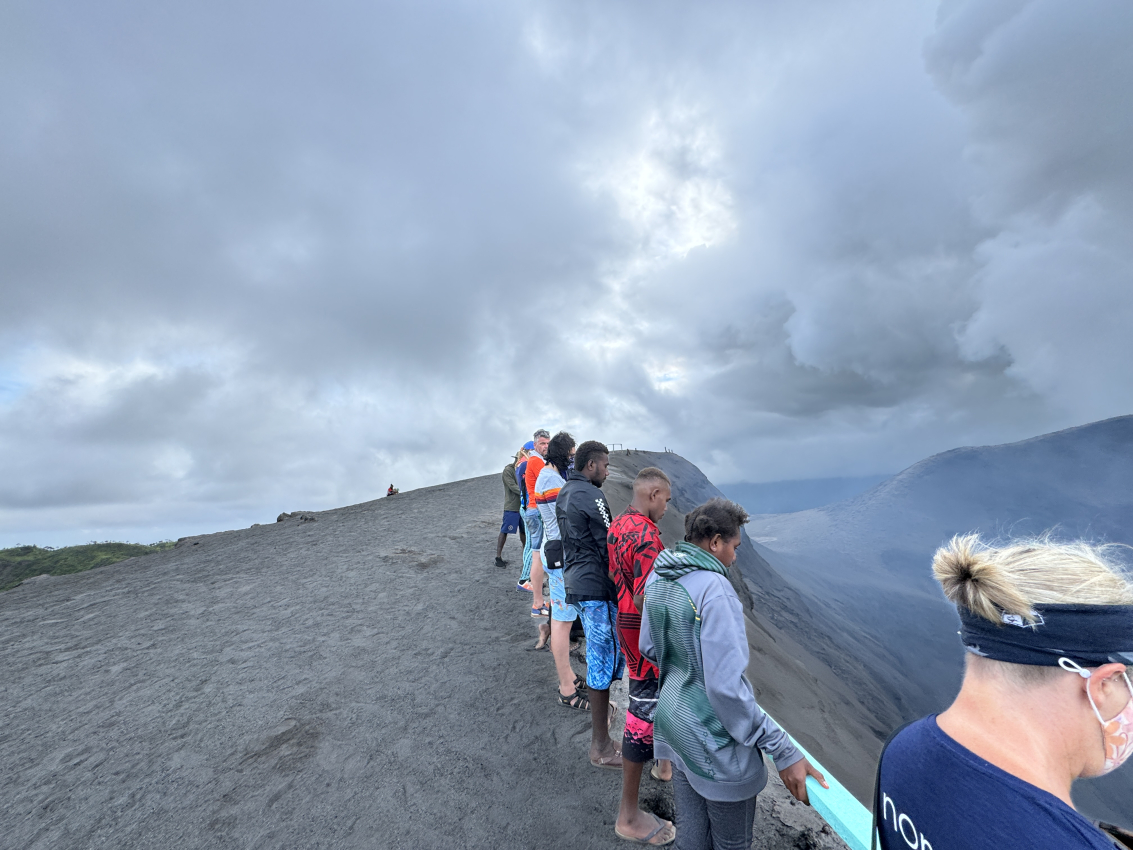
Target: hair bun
[973,580]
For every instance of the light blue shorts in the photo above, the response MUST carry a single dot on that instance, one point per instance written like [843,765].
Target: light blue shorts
[560,610]
[534,527]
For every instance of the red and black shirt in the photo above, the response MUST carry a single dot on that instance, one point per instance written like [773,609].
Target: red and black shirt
[633,542]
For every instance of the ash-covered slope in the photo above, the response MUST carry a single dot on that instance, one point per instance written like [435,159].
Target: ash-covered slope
[810,671]
[869,558]
[349,678]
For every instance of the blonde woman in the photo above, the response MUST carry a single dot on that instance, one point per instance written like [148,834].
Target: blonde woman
[1046,699]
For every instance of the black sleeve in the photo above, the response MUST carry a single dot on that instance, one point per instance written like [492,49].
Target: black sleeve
[599,514]
[561,518]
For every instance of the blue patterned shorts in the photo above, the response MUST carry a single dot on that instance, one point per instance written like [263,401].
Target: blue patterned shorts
[604,660]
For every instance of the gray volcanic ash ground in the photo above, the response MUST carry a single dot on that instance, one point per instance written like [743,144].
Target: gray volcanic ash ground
[865,564]
[362,679]
[350,678]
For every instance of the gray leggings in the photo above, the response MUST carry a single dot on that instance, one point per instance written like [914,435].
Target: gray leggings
[708,825]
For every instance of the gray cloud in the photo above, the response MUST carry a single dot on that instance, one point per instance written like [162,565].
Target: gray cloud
[260,261]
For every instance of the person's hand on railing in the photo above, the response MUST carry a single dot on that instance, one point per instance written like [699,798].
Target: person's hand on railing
[794,777]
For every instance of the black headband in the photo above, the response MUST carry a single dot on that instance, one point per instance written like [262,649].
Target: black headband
[1089,635]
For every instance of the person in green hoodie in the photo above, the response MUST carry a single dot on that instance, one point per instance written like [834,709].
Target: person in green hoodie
[707,721]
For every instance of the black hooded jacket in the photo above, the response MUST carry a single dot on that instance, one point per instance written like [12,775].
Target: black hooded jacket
[584,519]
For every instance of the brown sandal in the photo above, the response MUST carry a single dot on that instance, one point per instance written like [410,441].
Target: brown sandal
[613,762]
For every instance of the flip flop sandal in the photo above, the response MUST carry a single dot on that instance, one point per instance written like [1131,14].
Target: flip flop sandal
[575,700]
[655,772]
[608,762]
[661,824]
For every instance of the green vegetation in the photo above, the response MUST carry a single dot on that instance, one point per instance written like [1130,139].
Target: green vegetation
[23,562]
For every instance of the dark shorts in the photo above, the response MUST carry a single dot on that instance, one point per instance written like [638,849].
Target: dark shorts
[511,523]
[637,741]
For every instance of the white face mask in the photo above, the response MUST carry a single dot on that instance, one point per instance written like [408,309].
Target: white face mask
[1117,733]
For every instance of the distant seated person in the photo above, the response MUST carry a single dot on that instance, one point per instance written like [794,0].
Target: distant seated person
[1046,699]
[392,490]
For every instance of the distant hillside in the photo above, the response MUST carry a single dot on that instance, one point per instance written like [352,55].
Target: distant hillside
[784,497]
[810,671]
[23,562]
[868,558]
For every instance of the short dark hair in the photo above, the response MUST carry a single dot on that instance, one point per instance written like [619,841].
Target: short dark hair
[652,473]
[587,452]
[558,451]
[716,516]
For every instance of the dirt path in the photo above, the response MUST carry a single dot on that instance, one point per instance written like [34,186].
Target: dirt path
[344,682]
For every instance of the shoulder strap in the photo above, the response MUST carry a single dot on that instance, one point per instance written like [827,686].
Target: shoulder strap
[1121,838]
[877,782]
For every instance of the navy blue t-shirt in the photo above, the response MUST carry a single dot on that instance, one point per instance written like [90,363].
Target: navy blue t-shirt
[937,795]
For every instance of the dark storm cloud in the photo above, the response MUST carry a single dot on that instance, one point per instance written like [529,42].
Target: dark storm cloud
[256,260]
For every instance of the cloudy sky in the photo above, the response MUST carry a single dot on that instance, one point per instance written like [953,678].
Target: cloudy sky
[261,257]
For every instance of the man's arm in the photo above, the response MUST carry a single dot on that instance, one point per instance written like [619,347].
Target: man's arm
[598,515]
[644,554]
[723,646]
[509,480]
[531,476]
[645,638]
[562,503]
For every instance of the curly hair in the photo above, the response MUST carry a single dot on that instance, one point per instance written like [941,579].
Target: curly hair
[716,516]
[558,451]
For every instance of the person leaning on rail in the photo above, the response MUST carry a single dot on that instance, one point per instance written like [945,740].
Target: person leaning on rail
[707,721]
[1046,699]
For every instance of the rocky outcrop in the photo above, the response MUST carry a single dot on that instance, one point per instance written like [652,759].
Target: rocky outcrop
[302,516]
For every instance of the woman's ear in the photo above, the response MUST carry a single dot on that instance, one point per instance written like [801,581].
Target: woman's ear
[1107,684]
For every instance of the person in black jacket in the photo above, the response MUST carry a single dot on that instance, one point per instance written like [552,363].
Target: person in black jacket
[584,520]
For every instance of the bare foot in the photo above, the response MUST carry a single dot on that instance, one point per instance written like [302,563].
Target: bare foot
[544,636]
[662,770]
[647,828]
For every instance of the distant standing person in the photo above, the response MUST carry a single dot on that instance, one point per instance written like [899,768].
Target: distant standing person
[521,467]
[560,451]
[513,523]
[534,522]
[584,521]
[634,542]
[1046,699]
[708,722]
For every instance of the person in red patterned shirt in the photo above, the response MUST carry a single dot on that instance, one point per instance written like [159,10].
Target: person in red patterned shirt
[633,543]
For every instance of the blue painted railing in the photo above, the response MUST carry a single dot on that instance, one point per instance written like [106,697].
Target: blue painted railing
[850,819]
